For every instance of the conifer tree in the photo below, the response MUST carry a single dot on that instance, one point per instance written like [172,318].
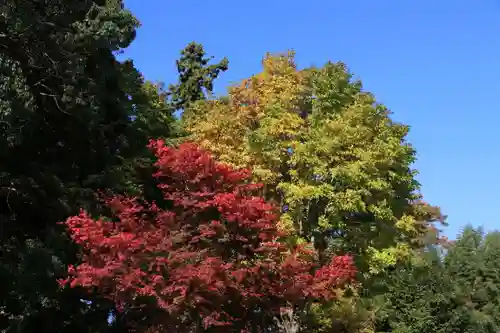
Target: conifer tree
[196,76]
[65,115]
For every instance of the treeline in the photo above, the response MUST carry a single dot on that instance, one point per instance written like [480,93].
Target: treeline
[289,204]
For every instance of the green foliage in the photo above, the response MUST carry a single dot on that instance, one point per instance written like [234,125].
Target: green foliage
[348,314]
[152,117]
[327,152]
[65,108]
[153,109]
[414,298]
[457,293]
[196,76]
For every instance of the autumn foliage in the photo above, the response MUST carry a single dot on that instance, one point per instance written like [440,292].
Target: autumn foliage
[211,258]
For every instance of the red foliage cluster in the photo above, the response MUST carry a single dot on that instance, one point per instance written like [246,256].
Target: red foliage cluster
[212,255]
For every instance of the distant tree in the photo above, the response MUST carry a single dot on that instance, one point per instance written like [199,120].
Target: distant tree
[471,266]
[457,292]
[416,298]
[196,76]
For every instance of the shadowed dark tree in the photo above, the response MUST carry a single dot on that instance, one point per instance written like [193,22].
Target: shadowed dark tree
[66,107]
[196,76]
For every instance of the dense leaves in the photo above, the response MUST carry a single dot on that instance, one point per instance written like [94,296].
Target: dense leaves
[196,76]
[212,257]
[187,241]
[326,151]
[64,119]
[450,291]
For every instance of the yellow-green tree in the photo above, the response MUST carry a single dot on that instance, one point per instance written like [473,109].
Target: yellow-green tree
[326,151]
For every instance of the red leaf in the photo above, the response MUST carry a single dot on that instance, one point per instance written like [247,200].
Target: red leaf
[215,253]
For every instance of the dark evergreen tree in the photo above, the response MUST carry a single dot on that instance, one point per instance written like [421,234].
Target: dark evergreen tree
[474,272]
[455,292]
[196,76]
[415,300]
[66,117]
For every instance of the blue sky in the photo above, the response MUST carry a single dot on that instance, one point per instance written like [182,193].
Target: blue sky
[435,63]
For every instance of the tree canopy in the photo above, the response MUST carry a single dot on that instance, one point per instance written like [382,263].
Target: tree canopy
[326,151]
[64,115]
[211,259]
[454,291]
[289,204]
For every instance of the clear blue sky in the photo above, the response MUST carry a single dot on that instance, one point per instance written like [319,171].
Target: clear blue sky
[435,63]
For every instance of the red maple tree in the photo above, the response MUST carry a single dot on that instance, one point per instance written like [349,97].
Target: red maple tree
[211,258]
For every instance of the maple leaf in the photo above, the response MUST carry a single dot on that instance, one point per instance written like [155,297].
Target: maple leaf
[213,258]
